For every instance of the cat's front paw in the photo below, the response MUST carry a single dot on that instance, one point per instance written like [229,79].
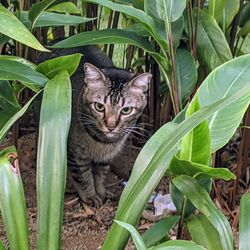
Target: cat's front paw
[94,201]
[109,195]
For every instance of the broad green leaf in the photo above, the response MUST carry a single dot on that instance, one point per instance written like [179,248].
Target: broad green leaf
[152,163]
[223,82]
[114,36]
[186,73]
[136,14]
[105,37]
[231,9]
[110,36]
[215,8]
[211,42]
[3,39]
[12,201]
[202,201]
[2,247]
[179,167]
[139,244]
[195,146]
[139,4]
[47,19]
[244,30]
[19,60]
[65,7]
[52,160]
[15,117]
[203,232]
[52,67]
[12,27]
[37,9]
[13,68]
[244,14]
[244,222]
[170,10]
[177,28]
[8,103]
[177,25]
[159,230]
[178,245]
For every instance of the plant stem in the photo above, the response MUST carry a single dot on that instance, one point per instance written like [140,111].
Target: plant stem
[234,27]
[181,221]
[190,26]
[174,86]
[196,29]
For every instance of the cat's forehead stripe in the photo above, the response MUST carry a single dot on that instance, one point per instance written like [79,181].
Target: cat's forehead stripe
[115,90]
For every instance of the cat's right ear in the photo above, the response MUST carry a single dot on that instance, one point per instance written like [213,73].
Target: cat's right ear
[92,74]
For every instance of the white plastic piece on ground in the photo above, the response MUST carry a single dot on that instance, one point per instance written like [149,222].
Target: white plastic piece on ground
[163,203]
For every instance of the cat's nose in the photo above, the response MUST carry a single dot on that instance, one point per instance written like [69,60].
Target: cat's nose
[110,128]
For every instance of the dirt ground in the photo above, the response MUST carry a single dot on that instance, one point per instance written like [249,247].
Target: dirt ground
[85,227]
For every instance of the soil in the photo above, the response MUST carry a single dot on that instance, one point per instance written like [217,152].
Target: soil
[85,227]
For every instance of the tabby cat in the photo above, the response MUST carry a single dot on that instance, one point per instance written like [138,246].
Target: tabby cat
[107,101]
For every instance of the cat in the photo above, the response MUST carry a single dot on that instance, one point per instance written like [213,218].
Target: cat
[107,101]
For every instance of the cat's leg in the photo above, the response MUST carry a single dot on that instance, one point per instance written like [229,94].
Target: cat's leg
[100,171]
[83,182]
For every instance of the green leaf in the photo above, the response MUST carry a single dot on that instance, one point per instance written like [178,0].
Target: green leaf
[139,4]
[231,9]
[178,245]
[179,167]
[37,9]
[111,36]
[223,82]
[244,30]
[177,28]
[52,67]
[244,222]
[136,14]
[215,8]
[152,163]
[159,230]
[12,202]
[105,37]
[15,117]
[52,160]
[244,14]
[157,9]
[201,200]
[47,19]
[186,73]
[2,247]
[8,103]
[65,7]
[12,27]
[108,36]
[3,39]
[203,232]
[14,68]
[211,42]
[195,145]
[139,244]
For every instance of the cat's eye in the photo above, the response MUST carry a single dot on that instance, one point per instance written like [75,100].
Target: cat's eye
[99,107]
[127,110]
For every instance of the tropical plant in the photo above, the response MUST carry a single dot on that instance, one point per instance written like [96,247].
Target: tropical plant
[52,77]
[188,40]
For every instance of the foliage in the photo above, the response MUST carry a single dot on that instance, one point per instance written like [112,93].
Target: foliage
[193,46]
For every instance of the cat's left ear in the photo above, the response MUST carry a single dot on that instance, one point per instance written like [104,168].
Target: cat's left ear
[141,82]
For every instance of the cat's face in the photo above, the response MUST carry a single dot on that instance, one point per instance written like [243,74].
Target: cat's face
[112,102]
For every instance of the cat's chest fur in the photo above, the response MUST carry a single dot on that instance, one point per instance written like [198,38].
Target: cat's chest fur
[84,147]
